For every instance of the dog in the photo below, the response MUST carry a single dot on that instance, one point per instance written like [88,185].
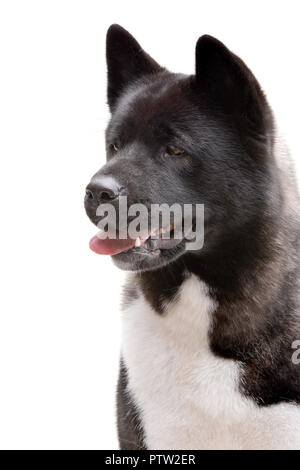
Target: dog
[211,336]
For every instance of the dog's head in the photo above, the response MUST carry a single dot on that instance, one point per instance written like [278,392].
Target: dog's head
[178,139]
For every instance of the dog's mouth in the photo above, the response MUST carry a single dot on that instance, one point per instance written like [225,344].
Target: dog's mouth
[151,243]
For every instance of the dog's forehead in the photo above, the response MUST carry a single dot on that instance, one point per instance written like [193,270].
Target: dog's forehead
[151,99]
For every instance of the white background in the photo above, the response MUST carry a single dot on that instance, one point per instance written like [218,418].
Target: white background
[60,322]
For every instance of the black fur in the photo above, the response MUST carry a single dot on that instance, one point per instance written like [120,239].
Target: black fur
[129,424]
[121,71]
[250,258]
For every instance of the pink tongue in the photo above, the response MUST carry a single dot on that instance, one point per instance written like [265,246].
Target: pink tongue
[110,246]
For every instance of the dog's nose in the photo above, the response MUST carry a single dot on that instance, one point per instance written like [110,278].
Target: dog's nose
[102,190]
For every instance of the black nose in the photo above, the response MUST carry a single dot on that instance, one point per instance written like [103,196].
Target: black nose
[102,190]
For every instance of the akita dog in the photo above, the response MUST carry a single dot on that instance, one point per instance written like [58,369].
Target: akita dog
[211,337]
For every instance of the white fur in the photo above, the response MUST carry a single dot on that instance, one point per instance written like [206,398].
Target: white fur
[187,397]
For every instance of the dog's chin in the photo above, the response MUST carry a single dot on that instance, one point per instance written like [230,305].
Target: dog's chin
[141,259]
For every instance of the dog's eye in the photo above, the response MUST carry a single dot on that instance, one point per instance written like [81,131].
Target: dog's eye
[175,151]
[114,147]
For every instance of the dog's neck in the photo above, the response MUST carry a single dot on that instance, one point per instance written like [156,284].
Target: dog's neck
[225,268]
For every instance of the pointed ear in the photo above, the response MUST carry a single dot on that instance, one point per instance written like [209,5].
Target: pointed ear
[126,62]
[229,82]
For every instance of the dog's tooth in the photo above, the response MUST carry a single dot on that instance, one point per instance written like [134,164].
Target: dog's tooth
[137,243]
[170,228]
[166,230]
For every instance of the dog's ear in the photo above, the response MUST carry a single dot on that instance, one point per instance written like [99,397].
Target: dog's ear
[126,62]
[228,81]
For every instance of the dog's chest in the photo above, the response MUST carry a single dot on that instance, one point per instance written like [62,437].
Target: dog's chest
[187,397]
